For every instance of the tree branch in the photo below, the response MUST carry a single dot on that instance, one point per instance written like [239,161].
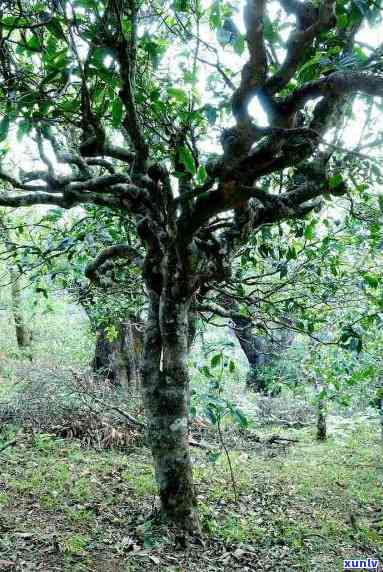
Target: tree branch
[311,20]
[337,83]
[126,55]
[116,251]
[254,72]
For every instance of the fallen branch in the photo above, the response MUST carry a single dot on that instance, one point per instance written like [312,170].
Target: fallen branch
[292,424]
[278,439]
[199,444]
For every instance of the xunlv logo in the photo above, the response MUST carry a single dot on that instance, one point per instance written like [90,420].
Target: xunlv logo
[368,564]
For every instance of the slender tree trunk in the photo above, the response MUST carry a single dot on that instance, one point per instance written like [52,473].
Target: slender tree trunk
[381,417]
[380,399]
[192,329]
[23,332]
[321,416]
[166,399]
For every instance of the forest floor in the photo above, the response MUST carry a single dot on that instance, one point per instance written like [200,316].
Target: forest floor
[302,506]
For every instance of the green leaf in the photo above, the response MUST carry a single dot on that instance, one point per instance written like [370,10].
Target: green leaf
[211,415]
[372,280]
[215,16]
[42,290]
[212,400]
[213,456]
[239,417]
[154,48]
[4,127]
[239,45]
[342,21]
[33,43]
[283,271]
[291,253]
[54,214]
[55,28]
[201,175]
[117,112]
[206,371]
[335,181]
[178,94]
[24,128]
[187,159]
[216,360]
[309,230]
[181,6]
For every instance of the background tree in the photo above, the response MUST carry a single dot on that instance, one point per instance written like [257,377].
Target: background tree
[22,329]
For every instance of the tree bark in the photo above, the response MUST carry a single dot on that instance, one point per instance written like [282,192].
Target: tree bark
[23,332]
[259,351]
[119,360]
[321,415]
[132,348]
[166,399]
[321,424]
[380,405]
[255,350]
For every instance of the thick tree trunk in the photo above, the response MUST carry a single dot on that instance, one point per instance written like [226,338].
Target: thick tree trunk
[107,358]
[119,360]
[166,398]
[259,351]
[132,348]
[255,350]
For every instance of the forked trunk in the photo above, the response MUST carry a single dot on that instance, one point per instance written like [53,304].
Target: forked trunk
[166,397]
